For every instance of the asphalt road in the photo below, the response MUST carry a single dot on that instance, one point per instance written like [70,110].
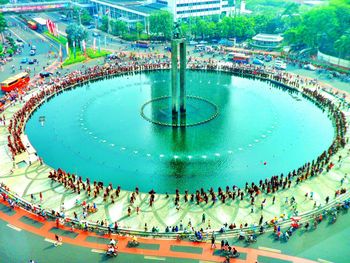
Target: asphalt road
[19,30]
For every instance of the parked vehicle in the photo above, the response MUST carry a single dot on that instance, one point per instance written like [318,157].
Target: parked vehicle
[15,82]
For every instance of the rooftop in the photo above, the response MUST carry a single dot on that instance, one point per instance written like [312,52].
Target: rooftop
[268,37]
[138,6]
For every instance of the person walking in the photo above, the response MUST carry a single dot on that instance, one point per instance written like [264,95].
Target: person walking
[213,241]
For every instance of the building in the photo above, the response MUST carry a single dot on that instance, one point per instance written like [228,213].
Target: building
[183,9]
[267,41]
[129,11]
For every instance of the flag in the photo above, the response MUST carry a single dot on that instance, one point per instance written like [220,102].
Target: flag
[51,27]
[84,47]
[56,30]
[67,49]
[60,53]
[94,44]
[74,50]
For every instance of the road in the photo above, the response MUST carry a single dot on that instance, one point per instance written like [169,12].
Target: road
[19,30]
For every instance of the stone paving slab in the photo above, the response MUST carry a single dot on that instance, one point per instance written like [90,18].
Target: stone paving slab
[65,233]
[7,210]
[31,222]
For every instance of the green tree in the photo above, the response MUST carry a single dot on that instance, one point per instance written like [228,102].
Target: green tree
[104,23]
[75,33]
[118,27]
[3,23]
[342,45]
[139,28]
[85,17]
[161,24]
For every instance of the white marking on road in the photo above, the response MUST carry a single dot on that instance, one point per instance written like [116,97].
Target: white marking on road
[14,227]
[18,36]
[154,258]
[270,249]
[100,251]
[50,240]
[323,260]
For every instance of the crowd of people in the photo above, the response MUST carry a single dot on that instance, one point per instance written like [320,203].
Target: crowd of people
[129,65]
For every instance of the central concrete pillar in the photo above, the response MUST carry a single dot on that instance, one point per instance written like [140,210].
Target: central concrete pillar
[182,77]
[174,95]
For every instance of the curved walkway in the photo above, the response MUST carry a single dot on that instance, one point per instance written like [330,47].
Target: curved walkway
[19,220]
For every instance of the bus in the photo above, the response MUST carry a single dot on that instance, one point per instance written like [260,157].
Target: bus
[29,21]
[142,44]
[238,58]
[15,82]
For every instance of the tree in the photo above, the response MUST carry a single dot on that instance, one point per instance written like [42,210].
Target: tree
[104,23]
[342,45]
[139,28]
[3,23]
[161,24]
[118,27]
[75,33]
[85,17]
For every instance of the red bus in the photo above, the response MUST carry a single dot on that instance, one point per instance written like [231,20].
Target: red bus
[238,58]
[15,82]
[32,25]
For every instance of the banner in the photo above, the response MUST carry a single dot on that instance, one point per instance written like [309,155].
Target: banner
[67,49]
[84,47]
[74,50]
[60,54]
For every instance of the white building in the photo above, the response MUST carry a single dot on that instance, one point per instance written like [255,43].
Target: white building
[183,9]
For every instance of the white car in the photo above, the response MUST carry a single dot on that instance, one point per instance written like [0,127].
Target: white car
[281,65]
[310,67]
[193,43]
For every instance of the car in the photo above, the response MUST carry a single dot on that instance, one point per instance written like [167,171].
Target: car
[193,43]
[260,57]
[20,44]
[279,64]
[310,67]
[167,49]
[32,52]
[31,61]
[33,47]
[203,42]
[95,34]
[257,61]
[90,27]
[45,74]
[19,40]
[268,58]
[112,56]
[24,60]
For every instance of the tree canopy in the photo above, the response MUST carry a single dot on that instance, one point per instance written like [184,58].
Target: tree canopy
[161,24]
[75,33]
[3,23]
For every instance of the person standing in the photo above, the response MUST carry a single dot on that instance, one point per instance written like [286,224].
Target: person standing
[213,240]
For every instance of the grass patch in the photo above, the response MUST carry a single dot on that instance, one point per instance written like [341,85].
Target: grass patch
[71,60]
[60,39]
[96,54]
